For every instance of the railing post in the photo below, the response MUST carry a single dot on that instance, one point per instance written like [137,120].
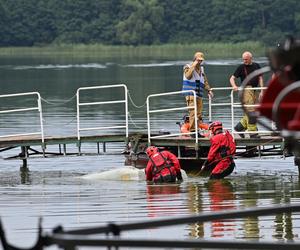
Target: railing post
[232,110]
[148,120]
[41,123]
[126,110]
[196,120]
[209,108]
[78,121]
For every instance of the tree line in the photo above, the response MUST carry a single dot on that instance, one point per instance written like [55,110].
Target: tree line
[147,22]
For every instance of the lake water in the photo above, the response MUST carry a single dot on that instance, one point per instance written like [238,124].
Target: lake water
[54,190]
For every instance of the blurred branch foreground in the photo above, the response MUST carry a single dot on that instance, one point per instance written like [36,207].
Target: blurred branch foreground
[112,233]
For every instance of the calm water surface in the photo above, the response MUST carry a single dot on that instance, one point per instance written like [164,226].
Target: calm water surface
[54,190]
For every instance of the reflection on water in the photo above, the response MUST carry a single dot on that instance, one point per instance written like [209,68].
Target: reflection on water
[25,175]
[51,187]
[161,200]
[54,191]
[221,198]
[246,192]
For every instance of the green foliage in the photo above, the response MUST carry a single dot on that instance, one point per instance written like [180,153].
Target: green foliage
[146,22]
[142,22]
[123,52]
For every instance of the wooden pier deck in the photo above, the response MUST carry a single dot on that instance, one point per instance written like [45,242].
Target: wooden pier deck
[191,155]
[19,141]
[186,148]
[181,141]
[136,143]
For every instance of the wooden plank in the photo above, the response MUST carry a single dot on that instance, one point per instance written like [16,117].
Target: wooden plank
[34,140]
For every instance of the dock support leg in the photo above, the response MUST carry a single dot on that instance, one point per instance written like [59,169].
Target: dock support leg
[297,163]
[79,147]
[98,148]
[24,174]
[178,152]
[197,150]
[24,155]
[65,149]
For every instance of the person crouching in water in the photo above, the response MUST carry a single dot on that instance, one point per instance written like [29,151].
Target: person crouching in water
[162,166]
[221,152]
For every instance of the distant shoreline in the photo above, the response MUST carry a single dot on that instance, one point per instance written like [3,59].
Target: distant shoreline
[165,51]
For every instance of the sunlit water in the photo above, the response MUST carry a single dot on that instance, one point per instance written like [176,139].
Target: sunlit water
[53,189]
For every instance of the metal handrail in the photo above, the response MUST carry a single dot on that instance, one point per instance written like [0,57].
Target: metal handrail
[204,217]
[78,237]
[38,108]
[230,103]
[70,239]
[122,101]
[149,111]
[233,105]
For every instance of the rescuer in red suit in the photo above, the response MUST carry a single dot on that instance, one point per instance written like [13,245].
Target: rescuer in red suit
[162,166]
[221,152]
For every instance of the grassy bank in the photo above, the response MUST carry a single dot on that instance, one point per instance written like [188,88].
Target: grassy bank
[166,51]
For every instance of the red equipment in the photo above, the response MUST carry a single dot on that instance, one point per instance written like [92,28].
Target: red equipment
[281,101]
[288,112]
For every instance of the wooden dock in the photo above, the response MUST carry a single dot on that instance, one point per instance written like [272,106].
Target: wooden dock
[191,155]
[26,144]
[135,144]
[184,147]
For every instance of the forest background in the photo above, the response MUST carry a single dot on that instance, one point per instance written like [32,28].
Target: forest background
[41,23]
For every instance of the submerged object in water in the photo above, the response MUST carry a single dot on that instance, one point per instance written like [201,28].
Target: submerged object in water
[127,173]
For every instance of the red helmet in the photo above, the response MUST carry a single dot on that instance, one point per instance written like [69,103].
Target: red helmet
[215,126]
[151,150]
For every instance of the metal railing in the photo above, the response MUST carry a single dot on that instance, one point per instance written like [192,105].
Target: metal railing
[230,103]
[71,239]
[36,108]
[81,104]
[233,105]
[152,111]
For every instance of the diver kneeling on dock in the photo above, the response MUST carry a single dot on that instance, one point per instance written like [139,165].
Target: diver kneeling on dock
[221,152]
[162,166]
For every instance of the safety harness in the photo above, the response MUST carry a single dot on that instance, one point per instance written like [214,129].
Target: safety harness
[229,149]
[160,163]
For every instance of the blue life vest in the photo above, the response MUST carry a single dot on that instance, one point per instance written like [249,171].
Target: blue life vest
[196,83]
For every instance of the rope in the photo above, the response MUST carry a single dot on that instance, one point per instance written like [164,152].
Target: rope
[58,103]
[134,124]
[132,102]
[62,125]
[217,98]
